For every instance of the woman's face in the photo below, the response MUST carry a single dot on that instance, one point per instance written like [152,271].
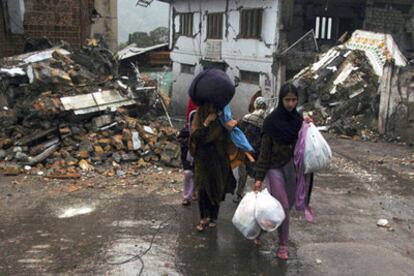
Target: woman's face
[290,101]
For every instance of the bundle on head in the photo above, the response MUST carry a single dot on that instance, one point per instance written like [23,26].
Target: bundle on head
[212,86]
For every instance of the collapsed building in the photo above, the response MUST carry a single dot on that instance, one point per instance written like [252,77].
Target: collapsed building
[361,88]
[64,106]
[65,111]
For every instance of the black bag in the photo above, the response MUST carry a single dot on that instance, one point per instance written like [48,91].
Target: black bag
[212,86]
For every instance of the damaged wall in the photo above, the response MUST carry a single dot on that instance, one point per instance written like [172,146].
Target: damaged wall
[240,54]
[68,20]
[105,25]
[397,102]
[394,17]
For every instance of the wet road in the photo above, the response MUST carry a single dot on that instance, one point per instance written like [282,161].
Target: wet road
[133,232]
[112,234]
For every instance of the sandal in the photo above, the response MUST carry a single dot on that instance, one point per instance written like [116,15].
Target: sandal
[201,226]
[186,202]
[308,214]
[282,252]
[212,224]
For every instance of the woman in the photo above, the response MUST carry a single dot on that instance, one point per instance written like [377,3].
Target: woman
[209,145]
[277,161]
[251,125]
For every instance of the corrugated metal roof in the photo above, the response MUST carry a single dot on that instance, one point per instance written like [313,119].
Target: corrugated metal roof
[132,50]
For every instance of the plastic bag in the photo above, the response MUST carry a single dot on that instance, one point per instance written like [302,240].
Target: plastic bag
[244,218]
[269,212]
[317,151]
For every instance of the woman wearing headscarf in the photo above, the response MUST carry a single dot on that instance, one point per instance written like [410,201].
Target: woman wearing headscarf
[210,145]
[280,134]
[209,142]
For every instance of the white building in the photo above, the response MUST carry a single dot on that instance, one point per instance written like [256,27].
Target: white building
[238,36]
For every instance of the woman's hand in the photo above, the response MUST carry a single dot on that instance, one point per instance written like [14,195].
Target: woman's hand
[257,186]
[231,124]
[211,117]
[308,119]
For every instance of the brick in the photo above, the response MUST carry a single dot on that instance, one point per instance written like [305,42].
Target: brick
[11,170]
[56,19]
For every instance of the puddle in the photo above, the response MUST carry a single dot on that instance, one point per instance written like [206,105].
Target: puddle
[75,211]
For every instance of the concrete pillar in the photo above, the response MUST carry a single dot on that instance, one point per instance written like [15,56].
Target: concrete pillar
[106,26]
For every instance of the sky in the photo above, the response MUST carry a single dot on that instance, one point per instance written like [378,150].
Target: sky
[132,18]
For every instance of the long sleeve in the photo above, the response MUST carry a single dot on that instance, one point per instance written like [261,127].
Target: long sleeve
[263,163]
[205,135]
[272,155]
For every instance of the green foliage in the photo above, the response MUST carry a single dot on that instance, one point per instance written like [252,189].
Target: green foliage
[159,35]
[143,39]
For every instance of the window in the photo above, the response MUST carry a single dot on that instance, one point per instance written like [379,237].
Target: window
[215,26]
[207,64]
[251,23]
[186,24]
[249,77]
[187,68]
[323,27]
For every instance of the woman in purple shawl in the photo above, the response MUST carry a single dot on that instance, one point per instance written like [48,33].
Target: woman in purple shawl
[281,159]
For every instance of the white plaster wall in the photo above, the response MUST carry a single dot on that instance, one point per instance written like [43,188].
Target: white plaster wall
[240,54]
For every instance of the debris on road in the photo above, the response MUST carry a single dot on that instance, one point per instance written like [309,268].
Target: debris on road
[384,223]
[318,261]
[65,112]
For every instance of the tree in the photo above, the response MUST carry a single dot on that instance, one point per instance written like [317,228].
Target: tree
[141,39]
[159,35]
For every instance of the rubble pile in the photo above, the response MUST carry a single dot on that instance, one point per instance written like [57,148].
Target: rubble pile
[65,112]
[343,89]
[340,91]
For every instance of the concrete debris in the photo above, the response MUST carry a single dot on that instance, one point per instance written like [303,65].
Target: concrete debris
[343,100]
[66,114]
[383,223]
[318,261]
[344,90]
